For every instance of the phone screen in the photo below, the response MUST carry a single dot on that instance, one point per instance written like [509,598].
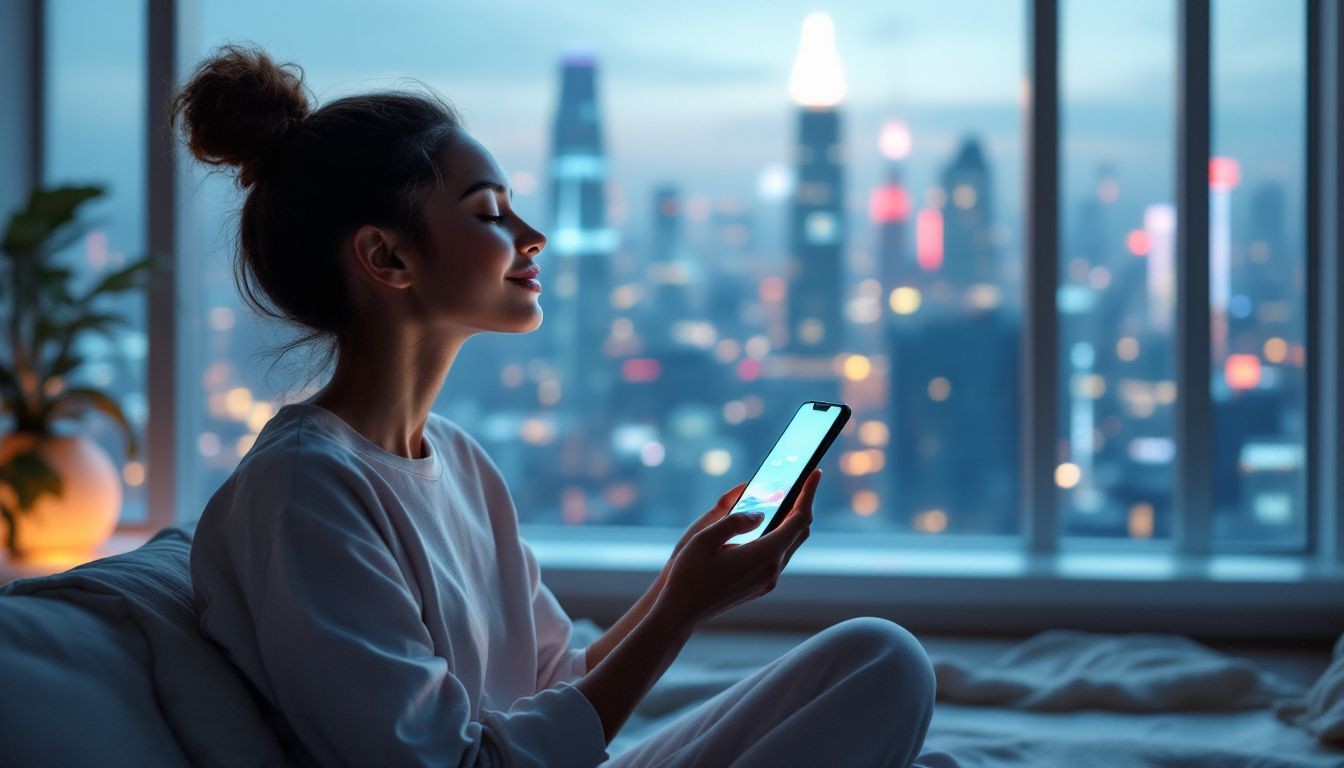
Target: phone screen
[785,466]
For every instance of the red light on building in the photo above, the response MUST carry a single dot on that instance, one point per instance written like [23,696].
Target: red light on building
[1224,173]
[640,370]
[748,369]
[889,203]
[1242,371]
[1138,243]
[929,239]
[773,289]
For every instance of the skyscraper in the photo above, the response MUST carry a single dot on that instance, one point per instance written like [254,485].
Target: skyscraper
[953,428]
[968,245]
[583,246]
[816,222]
[889,210]
[669,271]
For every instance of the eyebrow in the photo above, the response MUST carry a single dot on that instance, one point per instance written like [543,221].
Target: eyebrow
[486,184]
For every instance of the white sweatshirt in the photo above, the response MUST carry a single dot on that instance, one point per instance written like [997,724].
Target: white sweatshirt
[385,607]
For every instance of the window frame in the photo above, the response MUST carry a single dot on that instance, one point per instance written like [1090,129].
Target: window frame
[1205,592]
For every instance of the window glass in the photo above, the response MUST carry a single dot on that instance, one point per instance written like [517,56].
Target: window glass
[824,208]
[1257,261]
[1117,276]
[94,122]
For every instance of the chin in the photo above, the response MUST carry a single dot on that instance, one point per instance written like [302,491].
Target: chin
[525,325]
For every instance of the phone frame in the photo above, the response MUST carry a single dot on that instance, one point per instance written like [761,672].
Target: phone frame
[787,503]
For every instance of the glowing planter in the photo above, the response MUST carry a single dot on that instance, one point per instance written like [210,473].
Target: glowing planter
[82,518]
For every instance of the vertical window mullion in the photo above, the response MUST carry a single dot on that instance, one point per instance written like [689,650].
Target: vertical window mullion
[1040,321]
[1193,493]
[1325,113]
[161,42]
[37,96]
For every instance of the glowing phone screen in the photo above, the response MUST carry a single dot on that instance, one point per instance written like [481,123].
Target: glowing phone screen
[785,464]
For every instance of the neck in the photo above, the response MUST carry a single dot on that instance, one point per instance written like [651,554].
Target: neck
[386,381]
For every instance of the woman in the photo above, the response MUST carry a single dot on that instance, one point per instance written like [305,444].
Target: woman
[362,566]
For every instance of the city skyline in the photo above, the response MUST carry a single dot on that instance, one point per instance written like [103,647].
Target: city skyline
[724,236]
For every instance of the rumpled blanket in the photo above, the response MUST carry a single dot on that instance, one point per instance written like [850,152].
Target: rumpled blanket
[1321,710]
[1067,671]
[206,702]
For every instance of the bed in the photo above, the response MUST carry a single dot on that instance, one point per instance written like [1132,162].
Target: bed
[106,660]
[1004,736]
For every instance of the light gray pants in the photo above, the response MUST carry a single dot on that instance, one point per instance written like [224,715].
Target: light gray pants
[857,694]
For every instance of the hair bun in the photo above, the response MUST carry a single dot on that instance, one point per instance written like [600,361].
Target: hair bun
[238,106]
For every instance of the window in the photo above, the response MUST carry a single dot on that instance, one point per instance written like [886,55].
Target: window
[1117,272]
[1257,270]
[95,134]
[765,220]
[833,207]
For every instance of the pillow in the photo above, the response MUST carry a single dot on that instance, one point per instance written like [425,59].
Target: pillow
[200,696]
[74,689]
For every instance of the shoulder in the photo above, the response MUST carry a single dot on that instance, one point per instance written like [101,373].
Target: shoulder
[292,463]
[293,454]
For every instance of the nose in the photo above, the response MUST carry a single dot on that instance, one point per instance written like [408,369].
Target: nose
[531,241]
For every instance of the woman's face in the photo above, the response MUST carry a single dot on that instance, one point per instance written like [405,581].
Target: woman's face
[479,248]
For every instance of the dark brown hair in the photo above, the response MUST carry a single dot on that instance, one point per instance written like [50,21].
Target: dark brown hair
[312,177]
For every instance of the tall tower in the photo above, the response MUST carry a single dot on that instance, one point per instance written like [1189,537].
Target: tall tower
[889,210]
[669,269]
[968,247]
[817,221]
[582,245]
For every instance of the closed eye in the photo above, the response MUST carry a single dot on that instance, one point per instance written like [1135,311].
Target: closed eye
[491,219]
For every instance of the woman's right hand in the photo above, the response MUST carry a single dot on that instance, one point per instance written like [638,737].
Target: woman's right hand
[708,575]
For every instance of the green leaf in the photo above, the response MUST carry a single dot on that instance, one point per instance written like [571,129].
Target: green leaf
[12,530]
[97,322]
[81,398]
[51,277]
[65,365]
[11,393]
[47,211]
[47,329]
[30,477]
[122,280]
[67,236]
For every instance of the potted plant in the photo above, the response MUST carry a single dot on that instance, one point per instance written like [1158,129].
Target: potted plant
[59,491]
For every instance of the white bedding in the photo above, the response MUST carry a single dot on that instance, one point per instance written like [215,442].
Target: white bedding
[994,736]
[1006,737]
[1083,680]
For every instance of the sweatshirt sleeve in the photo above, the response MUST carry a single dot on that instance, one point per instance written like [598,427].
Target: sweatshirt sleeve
[353,669]
[556,661]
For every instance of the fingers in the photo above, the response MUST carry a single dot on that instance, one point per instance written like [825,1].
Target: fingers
[731,525]
[720,508]
[800,515]
[727,500]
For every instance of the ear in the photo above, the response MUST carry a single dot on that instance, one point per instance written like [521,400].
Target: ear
[377,256]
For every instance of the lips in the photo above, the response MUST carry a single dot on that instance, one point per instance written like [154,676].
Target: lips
[526,279]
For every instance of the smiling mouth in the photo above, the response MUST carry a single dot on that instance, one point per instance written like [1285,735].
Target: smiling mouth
[526,283]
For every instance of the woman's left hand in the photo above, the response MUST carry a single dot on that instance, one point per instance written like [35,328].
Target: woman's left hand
[617,632]
[720,508]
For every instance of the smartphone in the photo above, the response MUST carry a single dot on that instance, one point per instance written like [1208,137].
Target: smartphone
[779,479]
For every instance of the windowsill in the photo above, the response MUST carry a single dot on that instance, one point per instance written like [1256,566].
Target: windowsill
[979,586]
